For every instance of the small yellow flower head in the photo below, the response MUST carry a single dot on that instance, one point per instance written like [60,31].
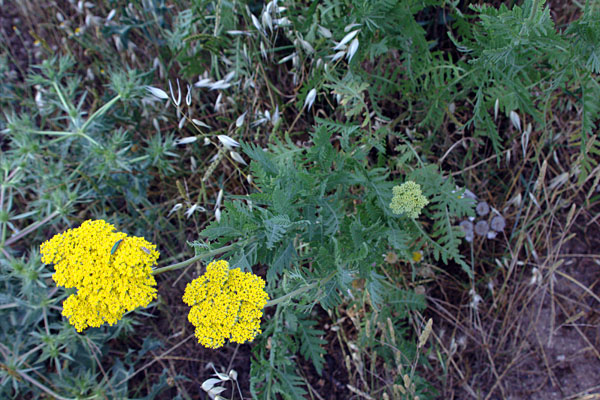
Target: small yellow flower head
[408,199]
[110,279]
[417,256]
[226,305]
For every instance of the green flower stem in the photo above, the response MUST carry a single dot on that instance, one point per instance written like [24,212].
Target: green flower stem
[189,261]
[300,290]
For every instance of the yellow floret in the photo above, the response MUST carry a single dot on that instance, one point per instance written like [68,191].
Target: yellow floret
[110,281]
[226,305]
[408,199]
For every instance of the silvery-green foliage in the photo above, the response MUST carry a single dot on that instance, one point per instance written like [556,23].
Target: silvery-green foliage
[67,158]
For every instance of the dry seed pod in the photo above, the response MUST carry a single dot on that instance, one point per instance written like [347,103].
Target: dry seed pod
[482,208]
[482,228]
[467,228]
[498,223]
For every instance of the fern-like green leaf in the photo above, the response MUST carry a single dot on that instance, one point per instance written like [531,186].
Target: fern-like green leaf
[311,344]
[275,228]
[282,261]
[376,289]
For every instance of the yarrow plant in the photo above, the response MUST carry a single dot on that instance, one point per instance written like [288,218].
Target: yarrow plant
[111,271]
[226,305]
[408,199]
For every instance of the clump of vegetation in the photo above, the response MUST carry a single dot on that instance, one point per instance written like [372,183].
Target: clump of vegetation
[327,153]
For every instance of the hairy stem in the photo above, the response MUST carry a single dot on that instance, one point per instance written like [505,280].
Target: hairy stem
[300,290]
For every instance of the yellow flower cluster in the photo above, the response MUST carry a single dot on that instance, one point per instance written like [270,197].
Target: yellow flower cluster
[408,199]
[226,305]
[111,271]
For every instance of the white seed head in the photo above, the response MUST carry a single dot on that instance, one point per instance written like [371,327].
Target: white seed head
[118,43]
[218,104]
[326,33]
[177,100]
[233,374]
[200,123]
[282,22]
[156,92]
[516,120]
[338,55]
[188,96]
[346,39]
[256,23]
[206,82]
[263,50]
[227,141]
[175,208]
[310,98]
[39,101]
[186,140]
[219,85]
[210,383]
[496,108]
[192,209]
[237,157]
[240,120]
[219,199]
[267,20]
[352,49]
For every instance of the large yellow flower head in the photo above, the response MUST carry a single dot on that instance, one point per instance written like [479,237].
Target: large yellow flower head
[226,305]
[408,199]
[111,271]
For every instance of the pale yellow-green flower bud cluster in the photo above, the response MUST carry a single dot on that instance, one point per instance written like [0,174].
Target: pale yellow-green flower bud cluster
[111,271]
[226,305]
[408,199]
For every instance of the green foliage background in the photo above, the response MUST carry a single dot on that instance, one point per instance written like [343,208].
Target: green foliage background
[82,138]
